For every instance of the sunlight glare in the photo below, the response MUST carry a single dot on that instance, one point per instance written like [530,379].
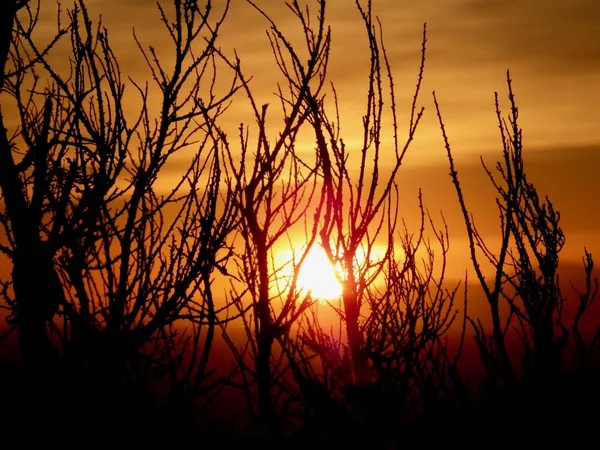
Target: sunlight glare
[318,276]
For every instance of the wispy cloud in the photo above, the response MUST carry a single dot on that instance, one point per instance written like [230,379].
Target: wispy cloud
[552,48]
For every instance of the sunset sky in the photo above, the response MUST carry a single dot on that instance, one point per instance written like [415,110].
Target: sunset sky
[552,48]
[146,277]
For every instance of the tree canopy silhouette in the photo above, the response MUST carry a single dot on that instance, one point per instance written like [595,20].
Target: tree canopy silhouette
[111,290]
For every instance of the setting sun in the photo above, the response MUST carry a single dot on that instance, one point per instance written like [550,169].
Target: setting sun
[318,276]
[253,223]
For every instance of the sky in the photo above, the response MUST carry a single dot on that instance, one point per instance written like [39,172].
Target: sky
[552,48]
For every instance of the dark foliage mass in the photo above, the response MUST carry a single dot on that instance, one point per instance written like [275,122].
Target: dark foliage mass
[113,298]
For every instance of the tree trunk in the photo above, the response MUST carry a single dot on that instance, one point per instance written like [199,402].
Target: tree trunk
[36,286]
[38,293]
[268,414]
[505,365]
[265,338]
[8,12]
[360,361]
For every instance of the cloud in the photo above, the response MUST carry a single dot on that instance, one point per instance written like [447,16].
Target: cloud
[567,175]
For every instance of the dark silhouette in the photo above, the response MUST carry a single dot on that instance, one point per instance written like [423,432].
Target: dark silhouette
[527,355]
[104,265]
[112,270]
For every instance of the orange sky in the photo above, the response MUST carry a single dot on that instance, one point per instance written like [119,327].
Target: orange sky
[552,48]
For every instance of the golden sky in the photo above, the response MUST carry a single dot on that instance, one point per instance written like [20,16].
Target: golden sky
[552,48]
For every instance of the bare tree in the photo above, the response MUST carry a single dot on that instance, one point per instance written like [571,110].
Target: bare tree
[358,210]
[393,355]
[107,269]
[22,215]
[275,191]
[525,267]
[407,326]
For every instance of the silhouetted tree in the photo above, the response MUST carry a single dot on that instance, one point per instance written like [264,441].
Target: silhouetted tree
[524,269]
[275,191]
[358,209]
[37,302]
[407,321]
[113,263]
[108,267]
[395,314]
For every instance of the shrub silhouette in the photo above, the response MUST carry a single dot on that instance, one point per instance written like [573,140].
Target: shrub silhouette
[536,369]
[394,314]
[273,189]
[116,263]
[111,291]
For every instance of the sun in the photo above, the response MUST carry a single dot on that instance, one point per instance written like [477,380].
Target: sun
[318,276]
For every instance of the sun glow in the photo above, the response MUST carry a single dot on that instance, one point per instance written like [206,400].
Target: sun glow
[318,276]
